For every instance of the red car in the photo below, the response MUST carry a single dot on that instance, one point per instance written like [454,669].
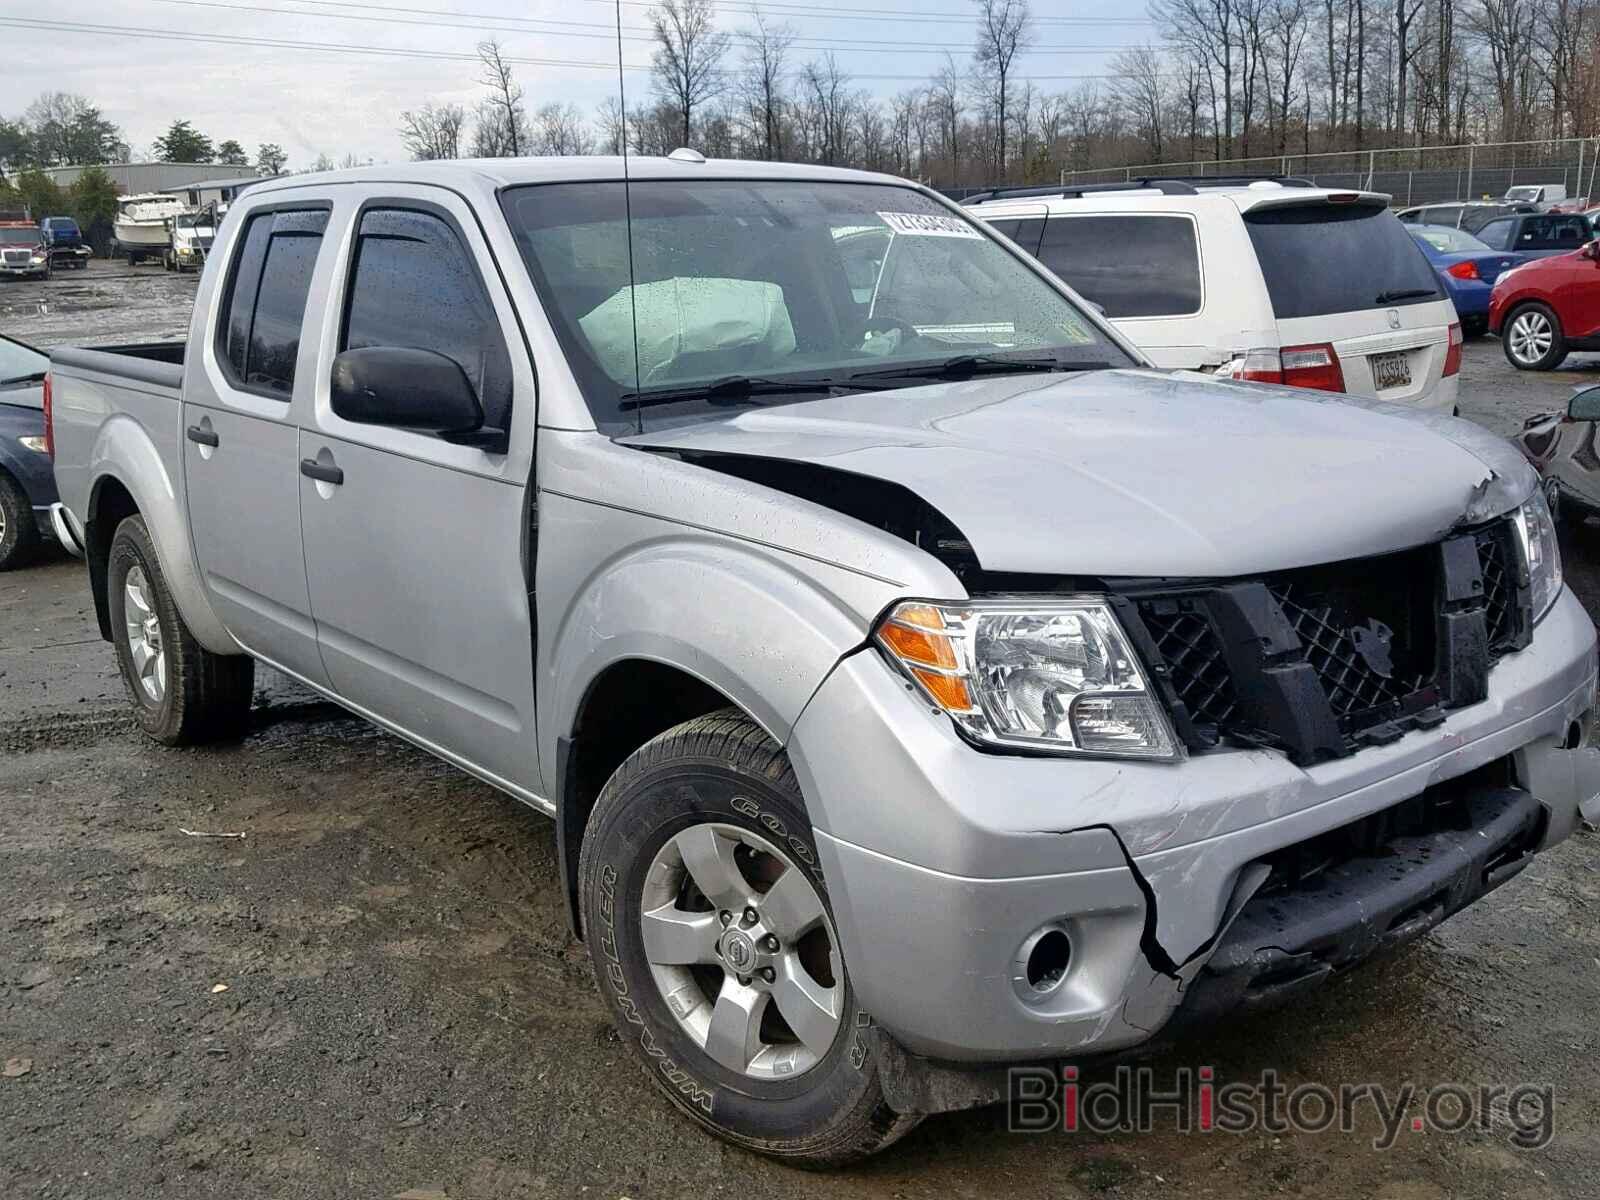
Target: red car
[1548,307]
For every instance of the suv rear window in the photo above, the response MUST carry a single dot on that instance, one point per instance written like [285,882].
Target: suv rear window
[1323,258]
[1130,266]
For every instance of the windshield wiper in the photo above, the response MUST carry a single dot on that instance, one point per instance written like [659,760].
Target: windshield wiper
[732,389]
[36,377]
[1404,294]
[963,366]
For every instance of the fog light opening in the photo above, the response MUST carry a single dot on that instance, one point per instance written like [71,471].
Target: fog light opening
[1048,959]
[1577,732]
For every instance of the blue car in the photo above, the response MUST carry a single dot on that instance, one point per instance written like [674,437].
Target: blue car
[27,486]
[1466,267]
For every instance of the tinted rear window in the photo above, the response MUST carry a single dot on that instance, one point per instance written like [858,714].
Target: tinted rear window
[1322,259]
[1130,266]
[266,299]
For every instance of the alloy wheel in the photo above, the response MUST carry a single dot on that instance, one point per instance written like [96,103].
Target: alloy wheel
[1531,336]
[743,952]
[145,646]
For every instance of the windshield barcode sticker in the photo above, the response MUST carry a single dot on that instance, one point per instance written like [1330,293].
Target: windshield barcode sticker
[929,225]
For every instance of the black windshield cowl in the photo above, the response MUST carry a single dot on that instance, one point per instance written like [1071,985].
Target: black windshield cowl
[964,366]
[1403,294]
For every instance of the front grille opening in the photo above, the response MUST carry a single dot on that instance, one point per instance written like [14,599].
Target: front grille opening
[1196,668]
[1368,633]
[1370,630]
[1497,565]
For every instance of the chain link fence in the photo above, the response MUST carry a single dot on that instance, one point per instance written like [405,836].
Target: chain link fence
[1418,175]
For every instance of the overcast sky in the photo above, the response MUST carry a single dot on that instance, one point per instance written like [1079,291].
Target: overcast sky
[339,101]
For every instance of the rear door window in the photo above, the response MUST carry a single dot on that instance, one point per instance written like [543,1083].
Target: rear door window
[1497,234]
[265,302]
[1320,259]
[1555,233]
[1144,266]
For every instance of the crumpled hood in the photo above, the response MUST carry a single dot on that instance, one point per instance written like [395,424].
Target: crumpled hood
[1141,473]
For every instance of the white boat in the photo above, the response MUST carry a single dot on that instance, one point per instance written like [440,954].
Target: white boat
[141,224]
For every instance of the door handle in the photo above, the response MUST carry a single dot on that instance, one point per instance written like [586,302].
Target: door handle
[202,437]
[321,472]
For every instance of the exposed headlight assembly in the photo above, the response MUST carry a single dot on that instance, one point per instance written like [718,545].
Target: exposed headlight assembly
[37,444]
[1540,551]
[1056,676]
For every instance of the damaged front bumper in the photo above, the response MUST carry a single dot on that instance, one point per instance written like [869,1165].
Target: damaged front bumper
[943,880]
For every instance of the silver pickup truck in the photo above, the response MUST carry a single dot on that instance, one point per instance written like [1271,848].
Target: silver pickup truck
[920,683]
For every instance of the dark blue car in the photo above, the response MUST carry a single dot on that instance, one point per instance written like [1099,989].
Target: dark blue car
[1466,267]
[27,486]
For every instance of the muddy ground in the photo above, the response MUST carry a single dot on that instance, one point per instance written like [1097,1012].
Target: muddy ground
[404,1013]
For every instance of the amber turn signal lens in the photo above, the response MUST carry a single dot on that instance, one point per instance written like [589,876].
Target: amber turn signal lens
[949,690]
[915,646]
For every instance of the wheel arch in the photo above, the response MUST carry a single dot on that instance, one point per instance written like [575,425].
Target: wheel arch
[628,703]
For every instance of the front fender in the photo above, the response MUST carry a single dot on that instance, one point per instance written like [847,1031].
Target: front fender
[735,616]
[123,451]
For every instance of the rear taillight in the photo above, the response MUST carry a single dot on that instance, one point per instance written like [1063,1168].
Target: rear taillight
[1313,367]
[1463,270]
[1296,366]
[1254,366]
[1452,356]
[49,421]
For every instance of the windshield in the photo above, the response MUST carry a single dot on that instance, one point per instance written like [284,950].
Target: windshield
[1321,259]
[23,236]
[1448,240]
[19,362]
[1522,193]
[788,282]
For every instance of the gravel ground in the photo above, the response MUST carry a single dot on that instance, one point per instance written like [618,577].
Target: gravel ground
[404,1014]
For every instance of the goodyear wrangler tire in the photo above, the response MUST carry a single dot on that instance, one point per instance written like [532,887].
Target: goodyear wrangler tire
[708,922]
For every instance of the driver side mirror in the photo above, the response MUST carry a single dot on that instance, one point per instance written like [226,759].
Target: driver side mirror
[419,390]
[1585,406]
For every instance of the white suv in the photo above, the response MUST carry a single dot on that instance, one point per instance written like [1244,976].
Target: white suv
[1269,280]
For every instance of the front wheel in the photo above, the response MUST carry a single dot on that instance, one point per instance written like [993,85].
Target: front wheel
[712,936]
[182,693]
[1533,340]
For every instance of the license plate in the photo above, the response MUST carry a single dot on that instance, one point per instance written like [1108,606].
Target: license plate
[1390,371]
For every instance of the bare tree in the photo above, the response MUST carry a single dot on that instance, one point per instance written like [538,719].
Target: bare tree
[504,103]
[1138,86]
[613,129]
[559,129]
[1004,29]
[433,131]
[688,59]
[766,52]
[946,99]
[827,93]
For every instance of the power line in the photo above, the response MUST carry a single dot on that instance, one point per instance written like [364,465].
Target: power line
[606,33]
[396,52]
[793,8]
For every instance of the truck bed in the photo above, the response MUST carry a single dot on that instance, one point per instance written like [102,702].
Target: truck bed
[120,403]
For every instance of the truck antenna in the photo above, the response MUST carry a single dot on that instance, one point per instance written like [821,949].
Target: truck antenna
[627,210]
